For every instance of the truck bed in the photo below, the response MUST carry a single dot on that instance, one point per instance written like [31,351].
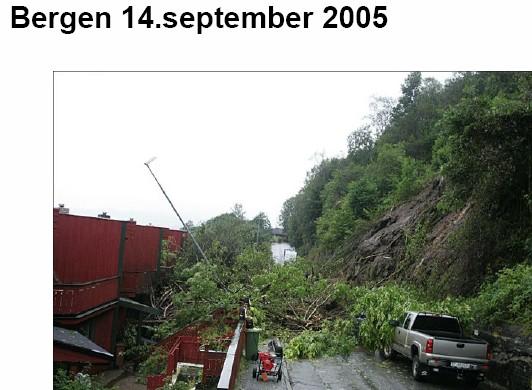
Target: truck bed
[447,337]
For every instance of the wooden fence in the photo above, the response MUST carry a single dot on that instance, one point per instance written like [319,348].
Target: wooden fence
[185,348]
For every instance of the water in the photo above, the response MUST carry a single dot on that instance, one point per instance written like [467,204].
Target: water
[283,251]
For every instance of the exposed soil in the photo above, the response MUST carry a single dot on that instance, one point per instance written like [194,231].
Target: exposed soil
[380,255]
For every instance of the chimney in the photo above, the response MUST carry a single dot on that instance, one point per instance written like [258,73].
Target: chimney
[63,209]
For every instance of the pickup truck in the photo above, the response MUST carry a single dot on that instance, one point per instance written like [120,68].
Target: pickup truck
[435,343]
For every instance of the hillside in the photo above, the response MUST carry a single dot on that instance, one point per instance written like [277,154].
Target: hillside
[436,188]
[413,243]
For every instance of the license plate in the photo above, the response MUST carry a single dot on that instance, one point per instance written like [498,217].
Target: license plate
[462,365]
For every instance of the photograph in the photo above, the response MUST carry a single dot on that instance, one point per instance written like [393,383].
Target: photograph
[272,229]
[255,195]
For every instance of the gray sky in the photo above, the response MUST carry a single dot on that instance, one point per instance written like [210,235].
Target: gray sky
[219,138]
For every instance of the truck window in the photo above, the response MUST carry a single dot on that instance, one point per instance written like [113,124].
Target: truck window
[407,321]
[436,323]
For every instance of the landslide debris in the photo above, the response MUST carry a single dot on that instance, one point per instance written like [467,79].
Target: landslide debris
[413,242]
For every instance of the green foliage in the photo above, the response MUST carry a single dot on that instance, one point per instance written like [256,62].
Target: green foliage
[258,315]
[299,214]
[507,299]
[484,150]
[200,295]
[354,209]
[178,385]
[216,336]
[133,352]
[335,338]
[227,235]
[360,144]
[205,287]
[252,262]
[379,305]
[349,206]
[168,257]
[388,302]
[155,364]
[415,241]
[415,115]
[414,175]
[63,381]
[386,169]
[335,225]
[461,307]
[317,316]
[528,249]
[294,294]
[361,197]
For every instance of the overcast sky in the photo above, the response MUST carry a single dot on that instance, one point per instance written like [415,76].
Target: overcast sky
[219,138]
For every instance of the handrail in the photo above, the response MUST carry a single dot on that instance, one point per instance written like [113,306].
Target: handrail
[233,355]
[171,363]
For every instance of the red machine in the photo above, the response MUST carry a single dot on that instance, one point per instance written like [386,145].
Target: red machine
[270,363]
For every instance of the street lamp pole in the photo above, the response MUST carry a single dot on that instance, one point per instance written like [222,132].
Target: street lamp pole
[147,163]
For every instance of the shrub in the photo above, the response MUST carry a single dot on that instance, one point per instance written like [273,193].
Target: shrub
[64,381]
[507,299]
[155,364]
[178,385]
[215,336]
[133,352]
[335,338]
[415,241]
[381,305]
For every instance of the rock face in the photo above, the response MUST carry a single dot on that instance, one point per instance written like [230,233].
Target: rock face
[512,364]
[412,243]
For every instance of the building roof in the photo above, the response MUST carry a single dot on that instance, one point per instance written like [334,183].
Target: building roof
[131,304]
[278,232]
[66,211]
[75,339]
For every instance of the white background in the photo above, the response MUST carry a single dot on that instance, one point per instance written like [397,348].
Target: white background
[424,35]
[220,138]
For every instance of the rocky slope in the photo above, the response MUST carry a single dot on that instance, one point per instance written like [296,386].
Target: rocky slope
[414,242]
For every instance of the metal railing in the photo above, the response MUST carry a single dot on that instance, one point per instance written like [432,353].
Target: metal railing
[232,361]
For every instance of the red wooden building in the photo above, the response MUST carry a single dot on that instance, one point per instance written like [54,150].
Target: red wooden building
[103,270]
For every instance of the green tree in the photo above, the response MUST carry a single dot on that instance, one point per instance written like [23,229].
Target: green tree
[485,153]
[360,144]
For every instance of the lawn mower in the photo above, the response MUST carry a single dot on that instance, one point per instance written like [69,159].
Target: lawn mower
[269,363]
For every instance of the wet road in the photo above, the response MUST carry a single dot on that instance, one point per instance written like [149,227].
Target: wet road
[282,251]
[361,371]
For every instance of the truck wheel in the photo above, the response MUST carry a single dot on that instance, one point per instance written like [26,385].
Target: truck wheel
[254,372]
[388,352]
[416,368]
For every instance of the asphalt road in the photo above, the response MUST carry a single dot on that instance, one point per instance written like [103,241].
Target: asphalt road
[361,371]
